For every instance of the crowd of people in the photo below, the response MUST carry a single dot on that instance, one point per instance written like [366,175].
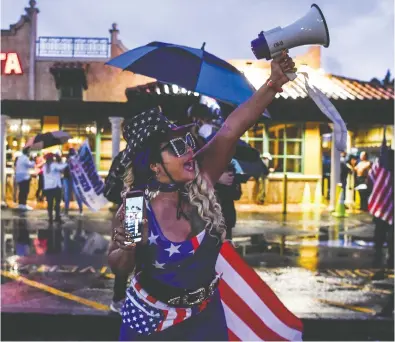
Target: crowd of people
[54,181]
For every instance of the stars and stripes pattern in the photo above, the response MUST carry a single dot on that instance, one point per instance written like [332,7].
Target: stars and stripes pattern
[166,316]
[143,127]
[381,201]
[139,316]
[253,312]
[167,251]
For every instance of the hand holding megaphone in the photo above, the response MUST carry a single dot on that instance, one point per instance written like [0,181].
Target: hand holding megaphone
[308,30]
[281,67]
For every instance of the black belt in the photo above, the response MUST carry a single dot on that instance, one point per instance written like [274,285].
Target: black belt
[175,296]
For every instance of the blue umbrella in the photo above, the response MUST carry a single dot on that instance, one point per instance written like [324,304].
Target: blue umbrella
[194,69]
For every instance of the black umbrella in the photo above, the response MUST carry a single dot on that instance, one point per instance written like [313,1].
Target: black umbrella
[46,140]
[246,169]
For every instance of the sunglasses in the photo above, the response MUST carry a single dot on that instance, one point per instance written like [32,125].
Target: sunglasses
[180,145]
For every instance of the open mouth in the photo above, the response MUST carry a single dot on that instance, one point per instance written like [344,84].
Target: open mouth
[189,165]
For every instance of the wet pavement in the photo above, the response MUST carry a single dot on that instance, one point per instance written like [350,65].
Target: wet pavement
[321,267]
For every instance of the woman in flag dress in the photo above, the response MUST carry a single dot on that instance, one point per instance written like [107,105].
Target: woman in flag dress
[174,289]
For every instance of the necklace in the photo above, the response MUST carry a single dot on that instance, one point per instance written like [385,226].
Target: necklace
[154,187]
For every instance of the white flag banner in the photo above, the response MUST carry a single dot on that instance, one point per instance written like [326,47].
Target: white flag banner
[86,181]
[326,107]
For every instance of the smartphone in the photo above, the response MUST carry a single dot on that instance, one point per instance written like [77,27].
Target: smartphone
[134,208]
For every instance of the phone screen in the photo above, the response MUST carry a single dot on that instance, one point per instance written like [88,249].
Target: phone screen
[134,217]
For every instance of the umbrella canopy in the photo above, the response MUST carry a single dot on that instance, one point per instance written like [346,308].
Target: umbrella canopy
[46,140]
[194,69]
[245,170]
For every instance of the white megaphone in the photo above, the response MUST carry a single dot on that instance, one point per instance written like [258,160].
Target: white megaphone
[308,30]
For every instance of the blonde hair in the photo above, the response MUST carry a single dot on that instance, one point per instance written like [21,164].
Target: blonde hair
[201,195]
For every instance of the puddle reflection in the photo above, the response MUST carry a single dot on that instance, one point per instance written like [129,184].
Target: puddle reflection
[48,239]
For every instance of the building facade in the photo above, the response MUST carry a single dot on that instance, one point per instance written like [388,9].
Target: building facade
[72,71]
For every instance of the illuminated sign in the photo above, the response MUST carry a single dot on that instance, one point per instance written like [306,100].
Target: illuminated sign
[10,64]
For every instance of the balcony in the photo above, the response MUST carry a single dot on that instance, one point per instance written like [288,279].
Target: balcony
[73,47]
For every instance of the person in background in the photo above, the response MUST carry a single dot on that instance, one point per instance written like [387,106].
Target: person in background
[68,186]
[14,183]
[22,177]
[120,281]
[39,163]
[351,162]
[228,191]
[263,182]
[113,187]
[362,171]
[344,171]
[53,185]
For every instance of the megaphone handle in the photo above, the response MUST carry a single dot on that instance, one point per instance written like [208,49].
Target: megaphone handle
[291,75]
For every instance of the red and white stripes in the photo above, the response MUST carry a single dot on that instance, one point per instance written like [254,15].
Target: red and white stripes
[381,201]
[172,315]
[252,310]
[197,240]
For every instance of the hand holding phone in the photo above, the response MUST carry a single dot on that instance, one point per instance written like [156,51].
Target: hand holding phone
[133,205]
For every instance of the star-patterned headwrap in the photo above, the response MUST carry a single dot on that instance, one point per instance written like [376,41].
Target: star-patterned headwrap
[147,129]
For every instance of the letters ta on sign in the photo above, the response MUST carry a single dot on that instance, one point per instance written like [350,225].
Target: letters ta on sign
[10,63]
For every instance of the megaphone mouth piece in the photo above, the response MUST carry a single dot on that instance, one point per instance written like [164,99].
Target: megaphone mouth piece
[310,29]
[326,26]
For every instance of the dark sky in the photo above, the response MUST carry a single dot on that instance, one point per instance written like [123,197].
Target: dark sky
[362,31]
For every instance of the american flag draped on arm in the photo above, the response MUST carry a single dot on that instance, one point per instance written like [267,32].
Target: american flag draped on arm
[253,312]
[381,200]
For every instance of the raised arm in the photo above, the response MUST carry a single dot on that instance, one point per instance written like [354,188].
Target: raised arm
[59,166]
[216,155]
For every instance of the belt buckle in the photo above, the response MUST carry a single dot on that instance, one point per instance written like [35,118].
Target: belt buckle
[200,293]
[213,285]
[174,301]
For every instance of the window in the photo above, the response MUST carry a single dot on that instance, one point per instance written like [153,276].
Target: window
[19,131]
[256,137]
[286,147]
[70,92]
[284,142]
[79,133]
[70,80]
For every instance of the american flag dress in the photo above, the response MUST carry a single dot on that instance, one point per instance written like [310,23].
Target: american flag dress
[243,307]
[187,265]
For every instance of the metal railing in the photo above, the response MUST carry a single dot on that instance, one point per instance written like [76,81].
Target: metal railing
[73,47]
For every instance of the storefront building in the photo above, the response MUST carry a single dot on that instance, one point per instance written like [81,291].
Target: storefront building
[62,83]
